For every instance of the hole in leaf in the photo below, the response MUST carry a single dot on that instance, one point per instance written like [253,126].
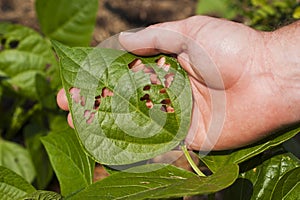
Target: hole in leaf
[147,87]
[87,113]
[107,92]
[167,108]
[14,44]
[169,79]
[97,102]
[134,63]
[170,109]
[149,70]
[149,104]
[82,101]
[160,61]
[75,94]
[163,108]
[166,67]
[154,79]
[91,118]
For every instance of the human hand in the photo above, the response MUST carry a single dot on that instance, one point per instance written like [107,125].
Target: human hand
[237,97]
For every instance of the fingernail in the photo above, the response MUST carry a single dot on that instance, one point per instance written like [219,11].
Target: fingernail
[126,34]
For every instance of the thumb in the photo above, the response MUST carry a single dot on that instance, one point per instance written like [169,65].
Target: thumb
[160,38]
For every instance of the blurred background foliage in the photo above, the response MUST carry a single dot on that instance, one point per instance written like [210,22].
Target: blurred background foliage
[264,15]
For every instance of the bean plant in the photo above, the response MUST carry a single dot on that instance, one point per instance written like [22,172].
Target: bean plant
[126,110]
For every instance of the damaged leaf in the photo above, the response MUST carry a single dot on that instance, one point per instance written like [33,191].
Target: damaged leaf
[125,108]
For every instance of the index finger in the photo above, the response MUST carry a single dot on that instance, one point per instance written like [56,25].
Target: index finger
[160,38]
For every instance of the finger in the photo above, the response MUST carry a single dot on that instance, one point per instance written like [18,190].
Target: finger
[167,38]
[70,121]
[62,100]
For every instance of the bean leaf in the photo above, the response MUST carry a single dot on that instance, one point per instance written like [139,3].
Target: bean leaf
[216,160]
[259,182]
[13,186]
[157,181]
[125,108]
[71,23]
[17,158]
[42,195]
[26,61]
[289,186]
[72,166]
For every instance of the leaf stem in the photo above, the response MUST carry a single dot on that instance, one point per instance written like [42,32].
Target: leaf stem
[190,160]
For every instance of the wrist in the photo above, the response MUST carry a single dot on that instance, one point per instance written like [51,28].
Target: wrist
[282,60]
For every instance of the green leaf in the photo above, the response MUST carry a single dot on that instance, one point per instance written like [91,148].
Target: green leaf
[73,168]
[157,181]
[122,129]
[16,158]
[215,160]
[13,186]
[41,162]
[296,13]
[221,8]
[263,177]
[71,23]
[24,56]
[42,195]
[288,188]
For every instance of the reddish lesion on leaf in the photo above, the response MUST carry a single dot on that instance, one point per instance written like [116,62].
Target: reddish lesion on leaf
[79,99]
[137,65]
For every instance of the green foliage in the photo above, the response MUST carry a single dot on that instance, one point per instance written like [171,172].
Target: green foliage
[73,168]
[260,180]
[261,14]
[288,186]
[30,78]
[218,159]
[26,61]
[42,195]
[70,23]
[13,186]
[17,158]
[157,181]
[131,132]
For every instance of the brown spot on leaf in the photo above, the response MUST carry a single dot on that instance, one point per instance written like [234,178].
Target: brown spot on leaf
[166,101]
[163,91]
[97,104]
[147,87]
[145,97]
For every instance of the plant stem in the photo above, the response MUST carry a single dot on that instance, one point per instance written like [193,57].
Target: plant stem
[190,160]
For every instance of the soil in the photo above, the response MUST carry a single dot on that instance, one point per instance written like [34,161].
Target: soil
[113,16]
